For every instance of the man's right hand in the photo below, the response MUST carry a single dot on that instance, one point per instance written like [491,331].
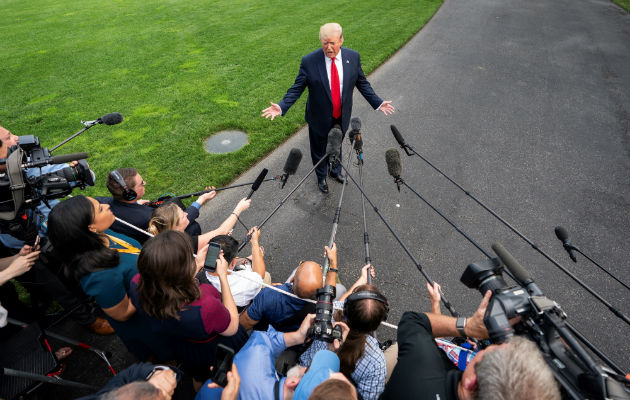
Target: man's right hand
[272,112]
[207,196]
[254,233]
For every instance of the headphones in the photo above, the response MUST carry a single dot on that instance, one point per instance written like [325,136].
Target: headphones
[366,294]
[127,194]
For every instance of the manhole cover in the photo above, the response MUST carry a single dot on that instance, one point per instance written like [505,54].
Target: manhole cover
[225,142]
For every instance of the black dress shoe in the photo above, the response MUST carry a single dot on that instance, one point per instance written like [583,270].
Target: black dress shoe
[338,177]
[322,185]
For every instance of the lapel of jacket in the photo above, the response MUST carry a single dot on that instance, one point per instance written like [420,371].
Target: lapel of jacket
[321,66]
[346,75]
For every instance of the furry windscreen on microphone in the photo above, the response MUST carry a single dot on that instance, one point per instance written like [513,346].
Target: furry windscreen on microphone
[392,157]
[334,142]
[293,161]
[111,119]
[259,179]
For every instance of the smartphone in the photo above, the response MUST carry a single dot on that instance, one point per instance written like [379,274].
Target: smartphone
[210,264]
[222,364]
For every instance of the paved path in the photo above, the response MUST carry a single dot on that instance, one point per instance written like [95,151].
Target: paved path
[526,104]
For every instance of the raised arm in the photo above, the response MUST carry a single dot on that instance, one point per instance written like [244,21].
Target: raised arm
[228,224]
[258,263]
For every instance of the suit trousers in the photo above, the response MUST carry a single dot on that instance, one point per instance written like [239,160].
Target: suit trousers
[318,142]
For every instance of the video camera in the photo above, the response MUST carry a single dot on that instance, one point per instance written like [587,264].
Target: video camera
[23,186]
[542,321]
[322,327]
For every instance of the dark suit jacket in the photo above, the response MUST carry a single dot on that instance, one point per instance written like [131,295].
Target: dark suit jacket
[319,103]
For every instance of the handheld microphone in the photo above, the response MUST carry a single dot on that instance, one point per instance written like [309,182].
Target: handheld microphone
[107,119]
[394,167]
[333,146]
[562,234]
[520,274]
[400,139]
[257,182]
[291,165]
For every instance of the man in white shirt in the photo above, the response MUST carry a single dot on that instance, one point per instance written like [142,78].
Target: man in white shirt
[245,279]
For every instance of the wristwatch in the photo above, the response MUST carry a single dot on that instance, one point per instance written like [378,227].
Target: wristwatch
[460,324]
[335,270]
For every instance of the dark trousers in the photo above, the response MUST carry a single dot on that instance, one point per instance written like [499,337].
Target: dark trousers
[318,141]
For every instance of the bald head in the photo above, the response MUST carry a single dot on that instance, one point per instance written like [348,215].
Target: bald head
[308,278]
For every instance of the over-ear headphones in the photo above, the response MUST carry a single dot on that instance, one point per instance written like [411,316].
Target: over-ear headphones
[366,294]
[127,194]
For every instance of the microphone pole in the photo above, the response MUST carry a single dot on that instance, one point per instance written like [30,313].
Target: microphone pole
[185,196]
[248,237]
[408,149]
[335,224]
[446,303]
[366,236]
[108,119]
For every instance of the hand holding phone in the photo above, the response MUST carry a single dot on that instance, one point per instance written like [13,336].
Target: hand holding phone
[222,364]
[210,264]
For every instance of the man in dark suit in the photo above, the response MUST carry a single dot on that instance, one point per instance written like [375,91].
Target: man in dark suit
[330,75]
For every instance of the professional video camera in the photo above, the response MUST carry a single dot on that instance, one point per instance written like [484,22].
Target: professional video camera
[544,322]
[322,327]
[24,185]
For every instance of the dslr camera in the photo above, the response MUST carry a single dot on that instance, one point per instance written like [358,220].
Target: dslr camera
[322,327]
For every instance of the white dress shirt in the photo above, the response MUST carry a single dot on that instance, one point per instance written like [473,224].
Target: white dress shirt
[339,65]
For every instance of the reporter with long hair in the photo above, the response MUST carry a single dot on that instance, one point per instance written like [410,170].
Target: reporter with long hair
[103,262]
[192,317]
[171,217]
[361,359]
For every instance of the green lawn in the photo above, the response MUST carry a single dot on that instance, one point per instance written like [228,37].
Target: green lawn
[625,4]
[178,71]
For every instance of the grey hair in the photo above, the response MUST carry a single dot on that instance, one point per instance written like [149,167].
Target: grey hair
[140,390]
[516,371]
[328,29]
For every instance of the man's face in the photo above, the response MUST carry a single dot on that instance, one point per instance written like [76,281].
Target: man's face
[7,138]
[331,45]
[138,186]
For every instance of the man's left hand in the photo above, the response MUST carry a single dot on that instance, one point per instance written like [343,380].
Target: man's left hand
[386,107]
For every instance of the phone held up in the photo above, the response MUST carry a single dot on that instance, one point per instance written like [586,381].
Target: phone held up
[210,264]
[222,365]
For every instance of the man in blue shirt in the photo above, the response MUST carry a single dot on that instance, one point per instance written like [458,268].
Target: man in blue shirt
[255,364]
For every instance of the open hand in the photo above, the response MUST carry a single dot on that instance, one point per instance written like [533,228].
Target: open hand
[272,112]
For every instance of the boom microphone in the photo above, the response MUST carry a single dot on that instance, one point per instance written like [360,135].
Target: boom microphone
[398,136]
[355,129]
[520,274]
[392,158]
[562,234]
[257,182]
[334,145]
[107,119]
[291,165]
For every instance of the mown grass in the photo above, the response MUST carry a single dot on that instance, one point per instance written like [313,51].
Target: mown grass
[178,71]
[625,4]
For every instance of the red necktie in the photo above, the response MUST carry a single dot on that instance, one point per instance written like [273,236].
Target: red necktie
[334,90]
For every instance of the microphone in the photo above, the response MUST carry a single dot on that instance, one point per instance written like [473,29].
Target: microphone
[62,159]
[392,158]
[257,182]
[107,119]
[291,165]
[355,129]
[398,136]
[400,139]
[334,145]
[521,275]
[562,234]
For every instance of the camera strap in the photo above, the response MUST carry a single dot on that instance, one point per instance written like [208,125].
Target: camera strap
[276,390]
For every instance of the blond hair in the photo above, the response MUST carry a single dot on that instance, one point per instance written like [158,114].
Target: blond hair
[164,218]
[327,30]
